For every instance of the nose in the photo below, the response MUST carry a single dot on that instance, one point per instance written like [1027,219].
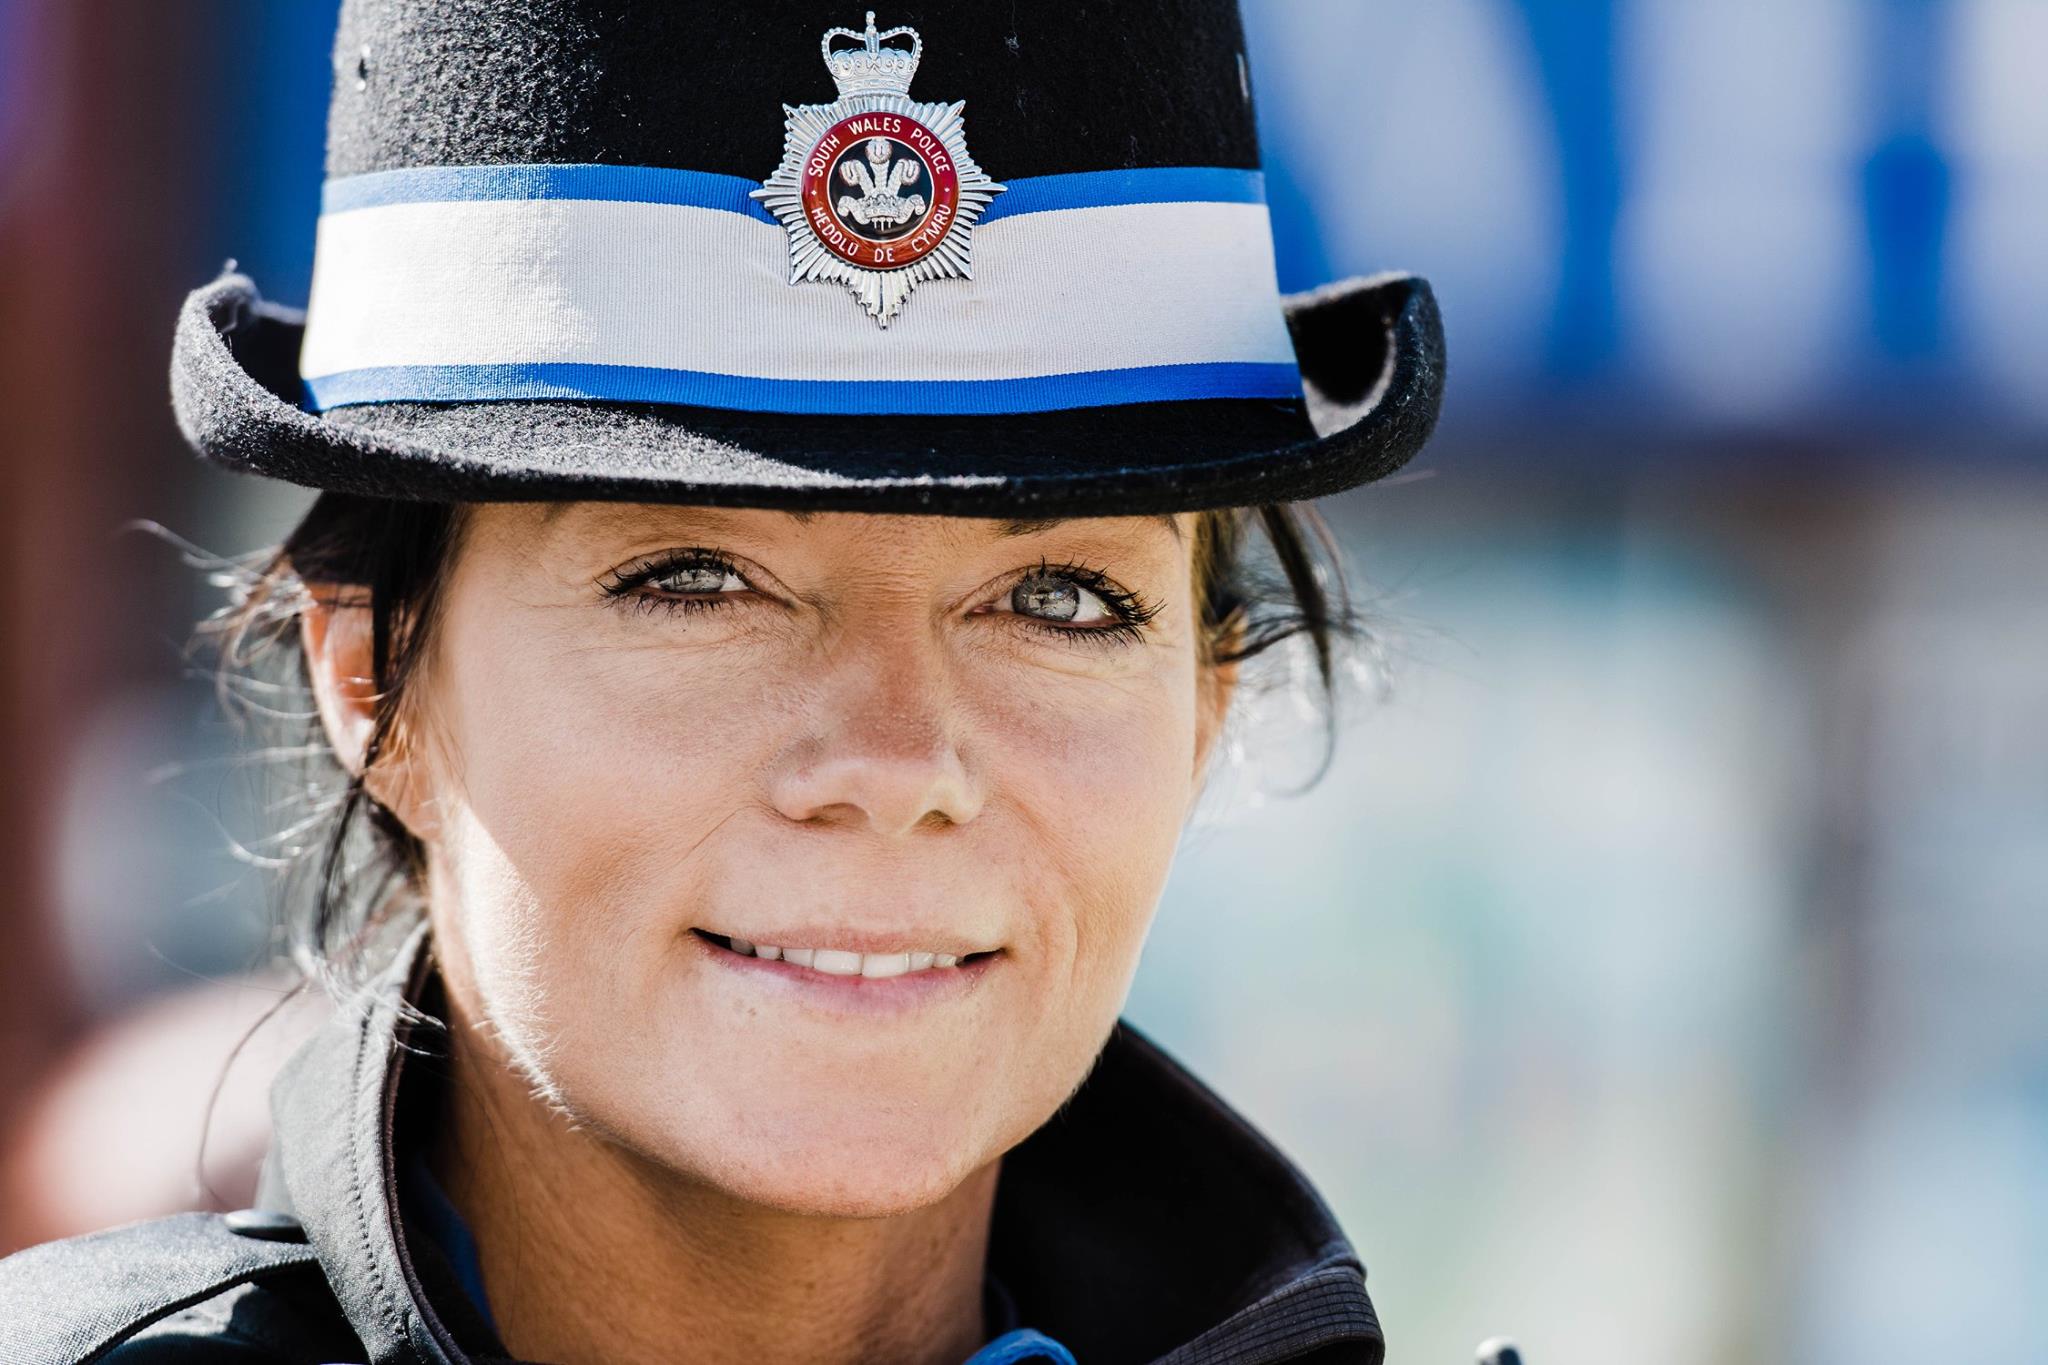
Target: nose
[881,754]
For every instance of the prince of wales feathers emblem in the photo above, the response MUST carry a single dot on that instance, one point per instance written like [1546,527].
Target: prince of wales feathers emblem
[877,191]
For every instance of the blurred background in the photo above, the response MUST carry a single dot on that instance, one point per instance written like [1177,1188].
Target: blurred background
[1658,972]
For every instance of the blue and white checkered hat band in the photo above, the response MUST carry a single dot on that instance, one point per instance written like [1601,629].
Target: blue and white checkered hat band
[642,284]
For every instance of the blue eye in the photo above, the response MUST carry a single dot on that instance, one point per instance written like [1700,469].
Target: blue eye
[700,578]
[682,580]
[1056,597]
[1076,604]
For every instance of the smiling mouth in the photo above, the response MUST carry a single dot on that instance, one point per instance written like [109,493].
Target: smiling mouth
[837,962]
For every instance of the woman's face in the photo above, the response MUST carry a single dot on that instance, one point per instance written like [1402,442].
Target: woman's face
[644,729]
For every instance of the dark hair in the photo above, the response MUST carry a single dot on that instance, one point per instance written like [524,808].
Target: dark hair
[356,874]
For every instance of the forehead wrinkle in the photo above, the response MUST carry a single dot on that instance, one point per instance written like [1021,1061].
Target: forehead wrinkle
[610,513]
[1012,526]
[607,511]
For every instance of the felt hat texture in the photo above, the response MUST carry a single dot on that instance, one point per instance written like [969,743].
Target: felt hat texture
[552,263]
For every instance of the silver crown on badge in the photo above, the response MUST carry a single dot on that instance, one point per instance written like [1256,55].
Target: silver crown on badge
[871,68]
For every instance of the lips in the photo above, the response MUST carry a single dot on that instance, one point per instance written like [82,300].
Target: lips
[879,989]
[846,961]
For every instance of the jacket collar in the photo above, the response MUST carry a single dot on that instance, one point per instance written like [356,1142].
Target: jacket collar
[1145,1222]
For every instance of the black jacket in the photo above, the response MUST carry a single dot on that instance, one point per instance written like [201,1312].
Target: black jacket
[1144,1222]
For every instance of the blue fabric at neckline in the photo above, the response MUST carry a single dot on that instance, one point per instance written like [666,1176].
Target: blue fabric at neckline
[1025,1343]
[448,1228]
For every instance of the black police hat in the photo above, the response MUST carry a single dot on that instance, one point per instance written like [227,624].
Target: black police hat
[983,259]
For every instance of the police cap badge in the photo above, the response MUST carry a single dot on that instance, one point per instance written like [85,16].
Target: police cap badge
[877,191]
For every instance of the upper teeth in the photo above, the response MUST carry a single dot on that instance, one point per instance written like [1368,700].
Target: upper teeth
[837,962]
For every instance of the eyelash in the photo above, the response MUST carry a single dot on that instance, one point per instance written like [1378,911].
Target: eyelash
[621,588]
[1132,611]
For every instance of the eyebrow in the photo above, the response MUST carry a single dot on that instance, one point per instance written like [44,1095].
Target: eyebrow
[1013,526]
[1028,526]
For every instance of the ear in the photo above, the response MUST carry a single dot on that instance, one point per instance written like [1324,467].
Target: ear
[335,629]
[336,636]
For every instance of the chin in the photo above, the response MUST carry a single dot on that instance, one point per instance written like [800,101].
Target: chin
[846,1140]
[865,1167]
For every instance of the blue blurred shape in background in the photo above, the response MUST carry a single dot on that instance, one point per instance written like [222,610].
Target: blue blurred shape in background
[1687,216]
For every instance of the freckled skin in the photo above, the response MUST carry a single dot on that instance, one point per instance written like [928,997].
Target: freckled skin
[869,736]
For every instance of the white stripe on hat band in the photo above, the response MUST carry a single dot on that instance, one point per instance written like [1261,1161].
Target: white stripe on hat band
[499,297]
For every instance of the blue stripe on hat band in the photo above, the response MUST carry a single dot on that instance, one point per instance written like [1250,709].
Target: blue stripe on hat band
[1148,185]
[950,397]
[703,189]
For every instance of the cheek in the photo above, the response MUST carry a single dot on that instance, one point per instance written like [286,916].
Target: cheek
[588,779]
[1095,781]
[579,758]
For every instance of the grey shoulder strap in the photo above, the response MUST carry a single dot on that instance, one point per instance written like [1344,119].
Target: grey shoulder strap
[69,1302]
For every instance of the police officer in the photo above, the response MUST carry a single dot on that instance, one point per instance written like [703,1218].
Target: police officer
[750,897]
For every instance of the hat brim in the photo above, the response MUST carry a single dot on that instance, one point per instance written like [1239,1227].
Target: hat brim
[1371,353]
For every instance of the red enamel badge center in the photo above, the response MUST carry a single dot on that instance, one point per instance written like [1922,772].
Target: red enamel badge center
[880,190]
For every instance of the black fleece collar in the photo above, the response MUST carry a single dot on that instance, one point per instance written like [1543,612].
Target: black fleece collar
[1145,1223]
